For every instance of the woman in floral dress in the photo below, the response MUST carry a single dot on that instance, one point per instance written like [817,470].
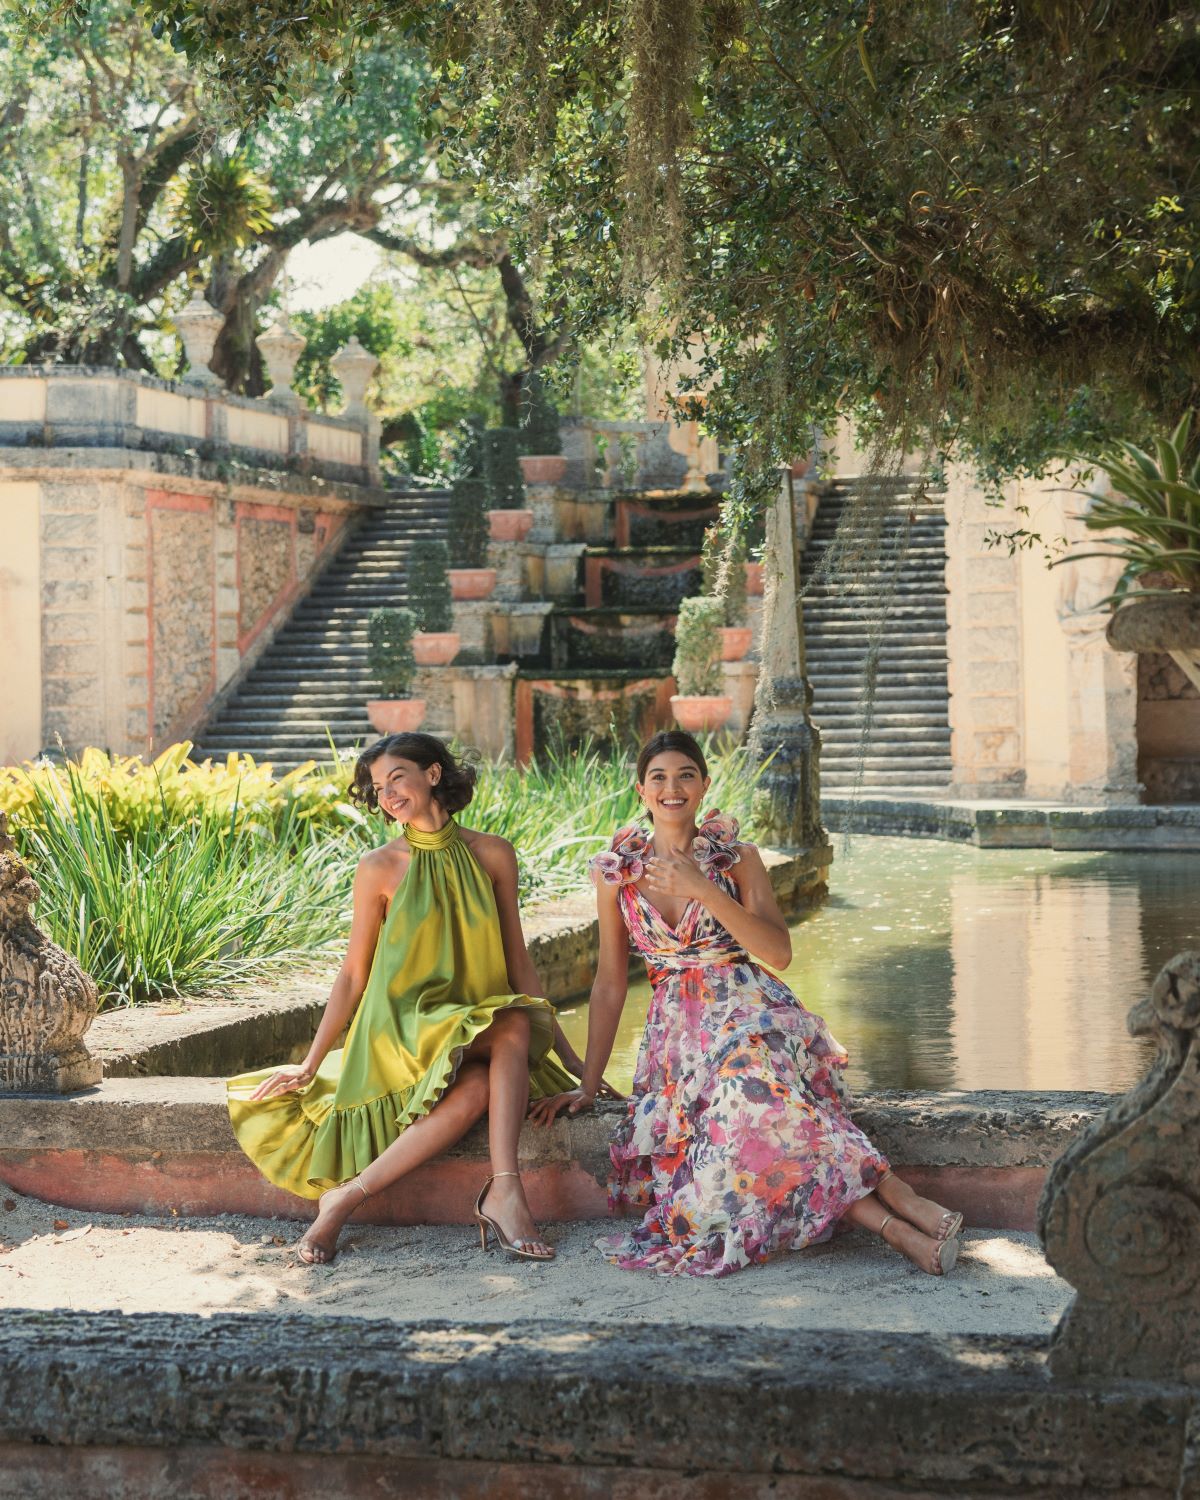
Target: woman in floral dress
[737,1142]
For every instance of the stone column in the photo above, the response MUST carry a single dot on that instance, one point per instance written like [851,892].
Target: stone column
[227,595]
[983,645]
[47,1002]
[787,802]
[1120,1215]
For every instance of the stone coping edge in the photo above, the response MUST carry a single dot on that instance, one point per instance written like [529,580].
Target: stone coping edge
[1020,826]
[220,1038]
[147,1118]
[961,1415]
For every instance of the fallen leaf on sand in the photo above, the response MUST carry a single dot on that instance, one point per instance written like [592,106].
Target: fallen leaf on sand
[61,1224]
[9,1205]
[278,1239]
[75,1234]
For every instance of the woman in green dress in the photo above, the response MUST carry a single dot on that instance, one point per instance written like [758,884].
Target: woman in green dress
[442,1002]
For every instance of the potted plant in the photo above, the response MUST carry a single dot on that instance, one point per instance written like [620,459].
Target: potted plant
[541,437]
[470,578]
[508,521]
[390,661]
[436,642]
[699,702]
[1154,509]
[724,578]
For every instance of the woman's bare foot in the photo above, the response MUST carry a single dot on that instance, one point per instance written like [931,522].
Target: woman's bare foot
[931,1218]
[935,1257]
[318,1245]
[505,1202]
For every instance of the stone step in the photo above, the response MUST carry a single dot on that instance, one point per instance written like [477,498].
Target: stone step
[848,716]
[879,776]
[288,730]
[881,750]
[846,632]
[304,746]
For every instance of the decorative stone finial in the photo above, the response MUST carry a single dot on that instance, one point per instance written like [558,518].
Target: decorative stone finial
[1120,1214]
[198,324]
[47,1002]
[281,347]
[354,366]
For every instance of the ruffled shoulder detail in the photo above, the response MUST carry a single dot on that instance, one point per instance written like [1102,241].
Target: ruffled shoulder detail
[715,846]
[624,861]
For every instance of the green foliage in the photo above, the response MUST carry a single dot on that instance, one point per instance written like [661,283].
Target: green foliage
[540,430]
[468,449]
[389,650]
[174,906]
[428,586]
[723,571]
[501,471]
[1154,507]
[221,205]
[468,522]
[697,664]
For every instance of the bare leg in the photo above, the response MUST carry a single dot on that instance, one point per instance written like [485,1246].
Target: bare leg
[505,1044]
[464,1102]
[920,1248]
[929,1217]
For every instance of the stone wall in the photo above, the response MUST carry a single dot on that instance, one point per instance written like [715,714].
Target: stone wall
[1168,730]
[143,585]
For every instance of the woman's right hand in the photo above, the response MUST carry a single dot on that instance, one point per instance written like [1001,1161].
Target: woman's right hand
[285,1080]
[546,1111]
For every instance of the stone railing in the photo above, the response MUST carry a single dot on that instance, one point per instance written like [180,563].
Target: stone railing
[624,455]
[66,406]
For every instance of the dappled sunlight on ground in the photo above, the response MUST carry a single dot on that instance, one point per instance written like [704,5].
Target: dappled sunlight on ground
[239,1264]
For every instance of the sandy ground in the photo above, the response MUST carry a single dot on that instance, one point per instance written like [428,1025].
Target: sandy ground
[55,1258]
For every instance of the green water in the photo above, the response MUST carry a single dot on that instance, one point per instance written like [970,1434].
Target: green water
[941,967]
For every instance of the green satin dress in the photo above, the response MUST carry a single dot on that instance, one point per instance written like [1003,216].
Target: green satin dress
[437,980]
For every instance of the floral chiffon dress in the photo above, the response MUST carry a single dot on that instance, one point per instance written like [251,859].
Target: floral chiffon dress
[738,1141]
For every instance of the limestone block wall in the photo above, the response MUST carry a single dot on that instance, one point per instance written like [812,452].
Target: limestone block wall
[137,591]
[1168,730]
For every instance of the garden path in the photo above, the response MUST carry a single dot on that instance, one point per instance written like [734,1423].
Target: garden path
[240,1264]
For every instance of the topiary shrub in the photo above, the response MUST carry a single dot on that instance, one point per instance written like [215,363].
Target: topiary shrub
[468,522]
[501,471]
[468,448]
[389,650]
[723,573]
[540,428]
[428,586]
[697,663]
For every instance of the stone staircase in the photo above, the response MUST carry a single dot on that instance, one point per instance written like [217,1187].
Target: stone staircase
[310,686]
[909,744]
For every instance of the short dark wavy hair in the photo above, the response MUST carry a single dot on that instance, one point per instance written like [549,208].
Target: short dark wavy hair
[455,789]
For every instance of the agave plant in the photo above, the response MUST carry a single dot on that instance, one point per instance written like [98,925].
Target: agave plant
[1155,505]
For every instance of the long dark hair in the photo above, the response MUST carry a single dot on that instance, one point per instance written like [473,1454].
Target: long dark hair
[669,739]
[454,790]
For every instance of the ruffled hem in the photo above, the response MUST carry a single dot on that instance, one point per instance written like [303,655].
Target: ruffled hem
[302,1142]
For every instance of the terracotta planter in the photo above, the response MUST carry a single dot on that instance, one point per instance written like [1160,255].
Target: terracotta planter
[435,648]
[395,715]
[509,525]
[754,578]
[735,642]
[698,714]
[471,583]
[543,468]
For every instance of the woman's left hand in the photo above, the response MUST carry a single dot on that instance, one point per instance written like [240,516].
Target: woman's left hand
[675,874]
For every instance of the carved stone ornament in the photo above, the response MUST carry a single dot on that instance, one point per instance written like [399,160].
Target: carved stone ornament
[198,324]
[281,347]
[1120,1214]
[354,367]
[47,1002]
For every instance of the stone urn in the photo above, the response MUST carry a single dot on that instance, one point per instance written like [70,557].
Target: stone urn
[735,642]
[754,579]
[509,525]
[543,468]
[698,715]
[1169,623]
[395,715]
[281,347]
[435,648]
[198,323]
[471,583]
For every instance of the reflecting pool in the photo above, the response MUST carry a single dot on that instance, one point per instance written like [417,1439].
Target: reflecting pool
[941,966]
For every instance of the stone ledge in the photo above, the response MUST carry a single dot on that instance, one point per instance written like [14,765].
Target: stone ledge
[1020,825]
[580,1404]
[217,1035]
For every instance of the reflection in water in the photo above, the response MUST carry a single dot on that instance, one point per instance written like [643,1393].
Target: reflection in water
[943,966]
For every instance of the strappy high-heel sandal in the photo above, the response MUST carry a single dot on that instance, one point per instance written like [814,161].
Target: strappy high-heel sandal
[304,1252]
[945,1257]
[511,1248]
[950,1224]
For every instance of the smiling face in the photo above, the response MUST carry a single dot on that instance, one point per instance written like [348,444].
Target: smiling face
[404,789]
[673,789]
